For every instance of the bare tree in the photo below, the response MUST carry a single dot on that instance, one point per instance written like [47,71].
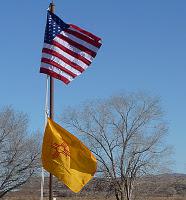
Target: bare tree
[19,150]
[126,135]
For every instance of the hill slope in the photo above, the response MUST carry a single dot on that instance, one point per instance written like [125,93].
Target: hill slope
[165,185]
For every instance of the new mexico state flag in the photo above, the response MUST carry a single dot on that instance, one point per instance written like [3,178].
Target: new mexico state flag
[66,157]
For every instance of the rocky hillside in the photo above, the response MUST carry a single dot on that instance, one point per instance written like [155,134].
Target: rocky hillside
[165,185]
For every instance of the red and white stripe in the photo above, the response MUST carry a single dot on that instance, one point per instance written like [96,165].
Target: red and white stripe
[69,54]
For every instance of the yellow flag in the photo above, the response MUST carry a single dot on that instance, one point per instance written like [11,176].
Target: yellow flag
[66,157]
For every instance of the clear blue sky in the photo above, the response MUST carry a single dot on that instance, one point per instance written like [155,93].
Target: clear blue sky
[144,49]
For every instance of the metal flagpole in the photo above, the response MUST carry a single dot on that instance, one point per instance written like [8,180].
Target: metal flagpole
[52,9]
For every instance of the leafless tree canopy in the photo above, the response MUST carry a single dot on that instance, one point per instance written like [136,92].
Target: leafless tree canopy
[126,134]
[19,151]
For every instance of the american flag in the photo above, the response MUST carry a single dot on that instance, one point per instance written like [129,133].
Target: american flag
[68,50]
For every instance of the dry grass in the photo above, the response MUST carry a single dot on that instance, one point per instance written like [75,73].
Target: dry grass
[92,198]
[58,198]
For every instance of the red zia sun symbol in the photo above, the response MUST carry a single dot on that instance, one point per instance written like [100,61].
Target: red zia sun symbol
[60,149]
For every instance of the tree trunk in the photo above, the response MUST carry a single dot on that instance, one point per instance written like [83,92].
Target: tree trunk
[128,191]
[116,194]
[122,195]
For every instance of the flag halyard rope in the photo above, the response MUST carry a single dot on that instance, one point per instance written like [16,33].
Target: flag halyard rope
[45,122]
